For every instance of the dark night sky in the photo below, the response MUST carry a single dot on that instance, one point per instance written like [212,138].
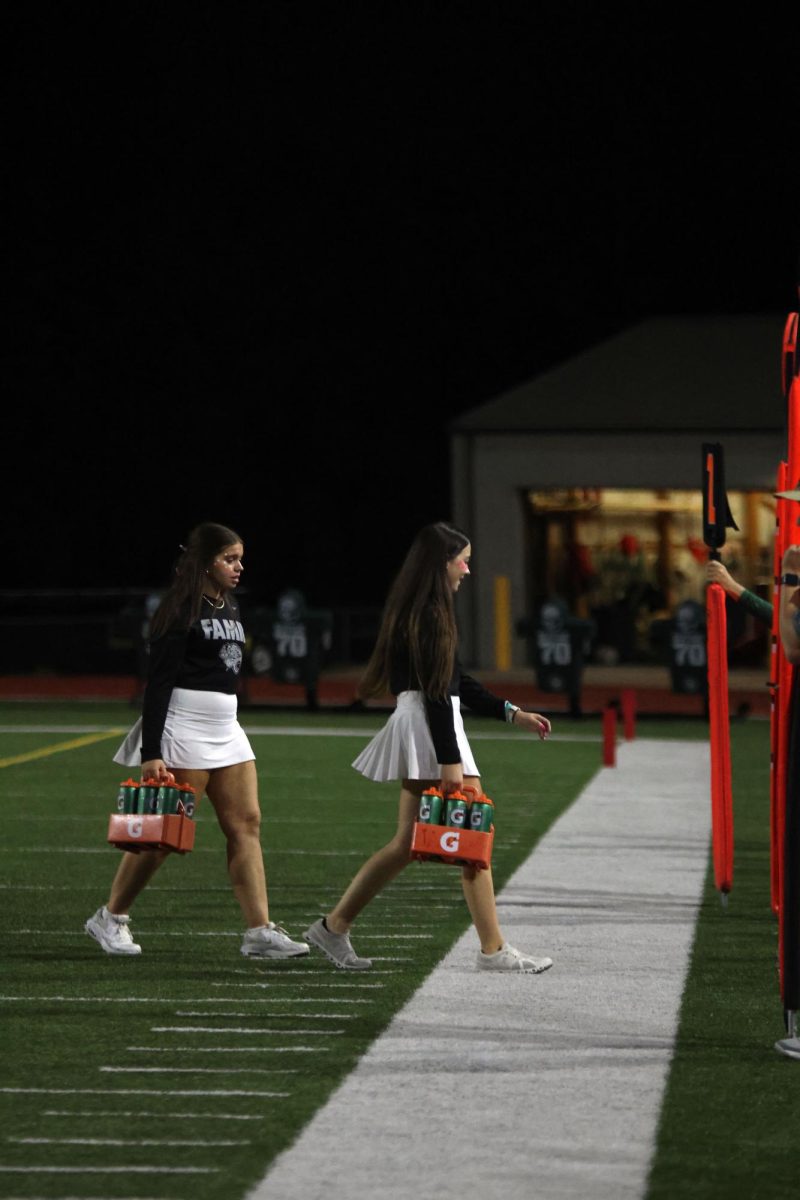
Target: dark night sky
[264,253]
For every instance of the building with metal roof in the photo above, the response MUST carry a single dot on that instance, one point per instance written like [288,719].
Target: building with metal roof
[547,476]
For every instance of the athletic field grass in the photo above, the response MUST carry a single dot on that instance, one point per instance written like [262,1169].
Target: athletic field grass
[185,1071]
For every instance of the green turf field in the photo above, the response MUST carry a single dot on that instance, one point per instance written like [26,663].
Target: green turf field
[727,1118]
[183,1072]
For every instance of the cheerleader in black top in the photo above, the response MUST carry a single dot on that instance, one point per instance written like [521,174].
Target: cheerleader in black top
[189,730]
[424,743]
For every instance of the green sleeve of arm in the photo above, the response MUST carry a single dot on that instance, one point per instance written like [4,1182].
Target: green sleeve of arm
[760,609]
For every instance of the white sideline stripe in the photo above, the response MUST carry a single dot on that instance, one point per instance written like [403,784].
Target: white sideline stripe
[209,1050]
[300,731]
[82,1198]
[391,958]
[110,1170]
[246,1030]
[155,933]
[332,978]
[55,850]
[325,853]
[45,1141]
[198,850]
[20,1091]
[151,933]
[191,1116]
[384,937]
[362,987]
[572,1064]
[272,1016]
[186,999]
[195,1070]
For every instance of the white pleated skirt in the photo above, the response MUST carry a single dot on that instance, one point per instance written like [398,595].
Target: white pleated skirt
[404,747]
[201,733]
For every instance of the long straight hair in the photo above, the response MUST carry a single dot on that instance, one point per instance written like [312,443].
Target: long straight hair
[419,615]
[183,600]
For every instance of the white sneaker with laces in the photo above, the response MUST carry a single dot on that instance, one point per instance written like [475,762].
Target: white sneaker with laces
[271,941]
[509,959]
[337,947]
[112,932]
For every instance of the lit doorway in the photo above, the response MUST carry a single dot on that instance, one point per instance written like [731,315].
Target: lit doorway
[626,557]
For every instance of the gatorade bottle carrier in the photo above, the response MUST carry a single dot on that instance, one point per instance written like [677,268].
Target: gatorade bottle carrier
[153,816]
[455,843]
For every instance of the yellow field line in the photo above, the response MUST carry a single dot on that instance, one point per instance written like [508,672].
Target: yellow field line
[60,747]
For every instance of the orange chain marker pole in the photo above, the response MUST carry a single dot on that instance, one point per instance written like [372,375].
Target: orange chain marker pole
[721,790]
[778,682]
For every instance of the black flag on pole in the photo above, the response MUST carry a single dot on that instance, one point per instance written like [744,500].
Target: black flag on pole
[717,516]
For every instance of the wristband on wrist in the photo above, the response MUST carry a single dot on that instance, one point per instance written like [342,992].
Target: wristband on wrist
[511,709]
[790,579]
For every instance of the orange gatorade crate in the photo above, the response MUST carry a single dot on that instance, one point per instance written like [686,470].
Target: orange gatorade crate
[462,847]
[456,842]
[172,831]
[150,817]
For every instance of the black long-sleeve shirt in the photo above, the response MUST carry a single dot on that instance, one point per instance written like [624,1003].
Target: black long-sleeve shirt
[440,712]
[206,657]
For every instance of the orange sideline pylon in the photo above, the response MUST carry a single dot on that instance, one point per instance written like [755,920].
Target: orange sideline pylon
[721,791]
[778,683]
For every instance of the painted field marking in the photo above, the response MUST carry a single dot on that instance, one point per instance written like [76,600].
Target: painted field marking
[184,999]
[364,987]
[194,1070]
[36,1091]
[110,1170]
[271,1016]
[189,1116]
[60,747]
[635,841]
[374,937]
[211,1050]
[245,1030]
[298,731]
[51,1141]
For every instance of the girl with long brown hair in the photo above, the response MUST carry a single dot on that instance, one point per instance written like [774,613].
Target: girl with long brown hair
[424,744]
[189,732]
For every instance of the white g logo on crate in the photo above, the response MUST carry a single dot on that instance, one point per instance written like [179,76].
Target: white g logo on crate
[135,827]
[449,841]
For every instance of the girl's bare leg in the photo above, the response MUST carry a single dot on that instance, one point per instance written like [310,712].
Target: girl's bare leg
[478,887]
[233,791]
[133,874]
[384,865]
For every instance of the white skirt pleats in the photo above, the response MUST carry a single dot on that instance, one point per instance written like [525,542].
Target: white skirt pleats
[404,747]
[201,733]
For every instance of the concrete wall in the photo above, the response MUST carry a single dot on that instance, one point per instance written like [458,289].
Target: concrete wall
[490,470]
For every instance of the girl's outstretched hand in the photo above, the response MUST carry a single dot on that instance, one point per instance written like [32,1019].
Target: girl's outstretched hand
[534,722]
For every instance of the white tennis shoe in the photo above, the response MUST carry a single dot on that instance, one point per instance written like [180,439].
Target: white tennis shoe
[112,932]
[337,947]
[271,941]
[509,959]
